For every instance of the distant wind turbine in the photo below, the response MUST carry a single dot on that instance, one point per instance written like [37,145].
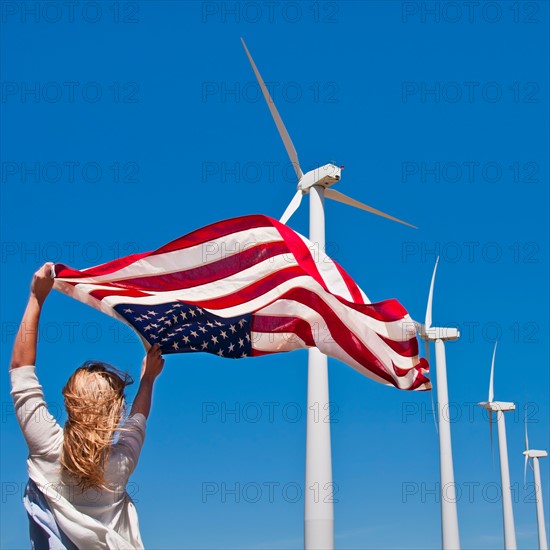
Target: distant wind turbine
[500,407]
[318,513]
[534,456]
[449,516]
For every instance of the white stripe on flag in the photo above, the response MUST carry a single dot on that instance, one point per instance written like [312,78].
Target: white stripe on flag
[276,341]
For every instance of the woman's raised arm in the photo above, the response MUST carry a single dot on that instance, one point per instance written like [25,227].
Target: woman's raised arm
[151,368]
[40,429]
[24,348]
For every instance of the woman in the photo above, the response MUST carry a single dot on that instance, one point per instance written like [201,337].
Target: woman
[76,496]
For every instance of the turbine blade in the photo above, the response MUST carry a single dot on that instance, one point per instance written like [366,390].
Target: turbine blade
[340,197]
[428,321]
[491,435]
[292,207]
[289,146]
[525,424]
[525,472]
[491,390]
[433,411]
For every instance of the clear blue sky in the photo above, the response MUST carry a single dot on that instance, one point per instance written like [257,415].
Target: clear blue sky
[145,123]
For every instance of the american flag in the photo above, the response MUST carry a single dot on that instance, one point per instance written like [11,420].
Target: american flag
[248,287]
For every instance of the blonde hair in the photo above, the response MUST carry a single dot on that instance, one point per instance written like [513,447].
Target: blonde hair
[95,403]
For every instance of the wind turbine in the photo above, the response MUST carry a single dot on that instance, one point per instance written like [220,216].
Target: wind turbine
[449,517]
[318,512]
[500,407]
[535,455]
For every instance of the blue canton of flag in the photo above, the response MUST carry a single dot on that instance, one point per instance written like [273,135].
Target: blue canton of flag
[178,328]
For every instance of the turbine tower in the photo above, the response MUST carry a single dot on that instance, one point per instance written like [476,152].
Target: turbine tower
[439,335]
[534,456]
[500,407]
[318,512]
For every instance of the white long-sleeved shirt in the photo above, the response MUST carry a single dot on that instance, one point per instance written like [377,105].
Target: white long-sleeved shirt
[93,518]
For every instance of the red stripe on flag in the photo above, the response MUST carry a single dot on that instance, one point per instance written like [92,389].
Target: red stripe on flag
[300,251]
[254,290]
[103,293]
[208,273]
[216,231]
[350,283]
[386,311]
[304,258]
[401,347]
[279,324]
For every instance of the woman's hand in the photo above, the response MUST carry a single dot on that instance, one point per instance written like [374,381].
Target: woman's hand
[42,282]
[150,369]
[153,363]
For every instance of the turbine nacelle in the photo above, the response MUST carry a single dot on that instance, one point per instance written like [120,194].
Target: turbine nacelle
[438,333]
[325,176]
[535,454]
[495,406]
